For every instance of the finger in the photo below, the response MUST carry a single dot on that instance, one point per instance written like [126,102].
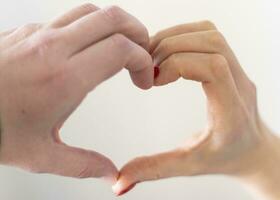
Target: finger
[21,33]
[73,15]
[79,163]
[191,159]
[102,24]
[5,33]
[211,70]
[180,29]
[104,59]
[201,42]
[146,168]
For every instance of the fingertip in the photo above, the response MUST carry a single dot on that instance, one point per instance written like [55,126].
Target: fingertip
[143,79]
[146,87]
[127,189]
[120,188]
[125,183]
[117,188]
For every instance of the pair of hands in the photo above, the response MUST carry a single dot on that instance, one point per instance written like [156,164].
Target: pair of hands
[46,70]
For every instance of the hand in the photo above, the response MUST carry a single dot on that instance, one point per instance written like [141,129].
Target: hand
[234,138]
[46,70]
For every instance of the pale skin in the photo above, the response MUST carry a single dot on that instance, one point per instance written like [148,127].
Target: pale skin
[235,142]
[48,69]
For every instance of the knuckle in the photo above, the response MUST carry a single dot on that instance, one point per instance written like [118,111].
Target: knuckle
[118,18]
[165,45]
[42,48]
[43,43]
[114,14]
[46,39]
[219,66]
[119,41]
[144,39]
[145,59]
[27,30]
[207,24]
[145,31]
[217,39]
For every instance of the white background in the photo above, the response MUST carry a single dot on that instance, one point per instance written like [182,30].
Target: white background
[122,121]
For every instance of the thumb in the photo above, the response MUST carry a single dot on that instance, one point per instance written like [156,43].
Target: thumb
[187,160]
[147,168]
[79,163]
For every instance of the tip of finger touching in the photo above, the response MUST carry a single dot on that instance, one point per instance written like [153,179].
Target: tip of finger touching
[123,185]
[119,190]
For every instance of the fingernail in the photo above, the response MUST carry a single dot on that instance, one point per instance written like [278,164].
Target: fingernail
[127,189]
[156,71]
[117,189]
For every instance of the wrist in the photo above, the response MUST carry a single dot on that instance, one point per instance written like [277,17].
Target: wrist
[263,174]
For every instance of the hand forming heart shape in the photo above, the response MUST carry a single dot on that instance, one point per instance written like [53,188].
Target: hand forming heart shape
[50,69]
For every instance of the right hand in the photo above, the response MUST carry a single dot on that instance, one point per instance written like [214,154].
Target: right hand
[46,70]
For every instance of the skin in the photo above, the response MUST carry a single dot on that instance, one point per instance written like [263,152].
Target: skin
[235,141]
[46,70]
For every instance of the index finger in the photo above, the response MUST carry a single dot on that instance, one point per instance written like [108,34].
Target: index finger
[102,24]
[180,29]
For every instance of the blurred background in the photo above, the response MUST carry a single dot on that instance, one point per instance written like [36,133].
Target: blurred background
[122,122]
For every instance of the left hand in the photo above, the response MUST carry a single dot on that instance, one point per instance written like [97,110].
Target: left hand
[234,138]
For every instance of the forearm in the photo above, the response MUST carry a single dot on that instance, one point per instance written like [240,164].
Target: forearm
[264,177]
